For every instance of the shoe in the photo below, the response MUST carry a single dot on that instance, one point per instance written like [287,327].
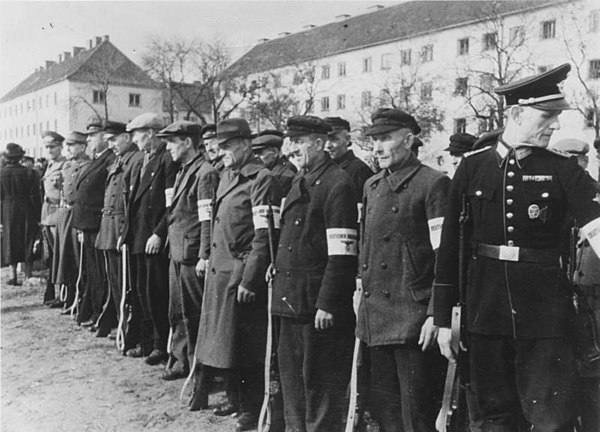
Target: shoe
[135,352]
[87,323]
[56,303]
[174,374]
[156,356]
[246,421]
[225,410]
[13,282]
[102,332]
[93,328]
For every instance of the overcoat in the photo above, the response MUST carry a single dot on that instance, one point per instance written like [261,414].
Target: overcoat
[113,211]
[357,170]
[403,215]
[20,203]
[148,199]
[231,334]
[52,185]
[87,209]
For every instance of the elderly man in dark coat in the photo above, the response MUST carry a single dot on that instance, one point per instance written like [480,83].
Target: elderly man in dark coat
[20,195]
[232,332]
[267,146]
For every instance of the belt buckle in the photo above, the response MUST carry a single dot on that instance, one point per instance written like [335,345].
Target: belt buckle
[509,253]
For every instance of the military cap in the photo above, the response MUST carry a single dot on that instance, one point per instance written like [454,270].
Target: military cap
[267,138]
[112,128]
[13,151]
[94,126]
[461,143]
[181,128]
[305,125]
[209,131]
[572,146]
[391,119]
[232,128]
[538,91]
[75,137]
[337,124]
[145,121]
[52,139]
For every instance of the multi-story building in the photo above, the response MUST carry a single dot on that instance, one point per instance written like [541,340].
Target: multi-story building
[94,82]
[437,59]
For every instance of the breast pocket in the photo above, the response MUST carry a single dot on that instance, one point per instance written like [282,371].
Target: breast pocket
[481,198]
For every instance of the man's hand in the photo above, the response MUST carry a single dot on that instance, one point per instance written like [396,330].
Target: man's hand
[153,244]
[80,236]
[323,320]
[201,267]
[244,295]
[429,332]
[444,339]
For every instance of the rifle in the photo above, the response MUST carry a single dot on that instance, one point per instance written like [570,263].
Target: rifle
[446,420]
[120,339]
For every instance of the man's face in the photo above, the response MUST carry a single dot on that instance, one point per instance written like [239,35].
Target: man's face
[75,150]
[212,148]
[143,139]
[392,148]
[268,156]
[235,151]
[96,142]
[537,126]
[119,143]
[455,160]
[178,147]
[337,144]
[53,149]
[304,150]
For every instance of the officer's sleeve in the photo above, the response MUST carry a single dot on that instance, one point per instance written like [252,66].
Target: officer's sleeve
[341,226]
[171,169]
[445,286]
[206,188]
[264,192]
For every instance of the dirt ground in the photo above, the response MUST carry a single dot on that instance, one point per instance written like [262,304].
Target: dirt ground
[56,376]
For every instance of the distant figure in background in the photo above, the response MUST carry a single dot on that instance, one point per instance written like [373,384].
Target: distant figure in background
[20,206]
[267,146]
[27,162]
[209,139]
[460,144]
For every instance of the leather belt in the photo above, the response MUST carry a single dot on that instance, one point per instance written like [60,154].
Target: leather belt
[518,254]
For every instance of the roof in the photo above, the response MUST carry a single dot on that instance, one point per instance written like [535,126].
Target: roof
[86,67]
[385,25]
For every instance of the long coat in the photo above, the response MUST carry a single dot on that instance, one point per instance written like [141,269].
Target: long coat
[52,185]
[147,202]
[232,334]
[113,211]
[20,204]
[402,223]
[87,210]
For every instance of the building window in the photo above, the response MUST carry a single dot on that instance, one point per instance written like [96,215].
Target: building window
[460,125]
[325,72]
[405,57]
[325,103]
[47,124]
[55,124]
[47,101]
[341,102]
[342,69]
[27,130]
[549,29]
[490,41]
[461,85]
[276,80]
[594,69]
[426,53]
[21,108]
[366,99]
[55,99]
[33,103]
[98,97]
[463,46]
[426,91]
[297,78]
[134,99]
[594,20]
[34,129]
[487,83]
[367,64]
[40,104]
[386,61]
[517,35]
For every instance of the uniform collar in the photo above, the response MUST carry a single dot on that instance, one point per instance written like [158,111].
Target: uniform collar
[505,151]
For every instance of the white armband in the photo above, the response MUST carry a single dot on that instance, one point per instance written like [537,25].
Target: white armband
[435,231]
[168,197]
[259,216]
[342,241]
[204,210]
[592,233]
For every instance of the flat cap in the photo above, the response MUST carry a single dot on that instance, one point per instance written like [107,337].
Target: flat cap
[13,151]
[573,146]
[112,128]
[539,91]
[461,143]
[209,131]
[75,137]
[337,124]
[182,128]
[305,125]
[232,128]
[267,138]
[145,121]
[391,119]
[94,126]
[52,138]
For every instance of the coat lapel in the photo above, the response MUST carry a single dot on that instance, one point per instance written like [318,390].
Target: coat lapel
[190,173]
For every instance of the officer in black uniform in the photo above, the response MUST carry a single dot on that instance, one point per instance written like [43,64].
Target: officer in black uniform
[267,146]
[518,301]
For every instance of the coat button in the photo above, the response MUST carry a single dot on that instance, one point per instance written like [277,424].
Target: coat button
[545,195]
[367,294]
[386,238]
[511,161]
[217,220]
[383,266]
[510,174]
[214,245]
[297,222]
[478,193]
[395,209]
[510,188]
[509,201]
[510,229]
[386,293]
[287,274]
[212,270]
[510,243]
[290,248]
[365,266]
[318,182]
[509,215]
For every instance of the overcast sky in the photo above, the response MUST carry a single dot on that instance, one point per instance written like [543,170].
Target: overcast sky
[32,32]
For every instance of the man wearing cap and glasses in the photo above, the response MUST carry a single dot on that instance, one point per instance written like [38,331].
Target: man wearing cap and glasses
[518,305]
[233,323]
[267,146]
[51,184]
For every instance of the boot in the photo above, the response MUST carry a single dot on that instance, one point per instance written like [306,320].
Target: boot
[199,400]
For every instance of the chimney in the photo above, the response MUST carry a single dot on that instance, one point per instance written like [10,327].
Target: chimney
[77,50]
[263,40]
[375,7]
[49,64]
[342,17]
[282,34]
[60,58]
[66,55]
[106,38]
[309,26]
[98,40]
[90,44]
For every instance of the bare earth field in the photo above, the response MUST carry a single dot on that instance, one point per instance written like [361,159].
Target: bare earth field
[56,376]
